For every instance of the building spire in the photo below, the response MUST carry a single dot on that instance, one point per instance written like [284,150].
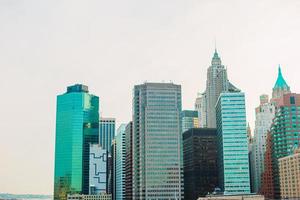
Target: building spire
[280,82]
[280,87]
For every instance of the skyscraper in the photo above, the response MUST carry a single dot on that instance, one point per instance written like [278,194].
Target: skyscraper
[107,132]
[157,150]
[285,132]
[189,119]
[216,83]
[98,161]
[128,162]
[77,126]
[233,158]
[199,162]
[106,136]
[264,115]
[200,106]
[120,163]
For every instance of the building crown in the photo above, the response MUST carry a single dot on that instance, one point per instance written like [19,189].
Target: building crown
[280,82]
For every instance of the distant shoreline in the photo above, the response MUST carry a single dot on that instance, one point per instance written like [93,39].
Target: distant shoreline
[6,196]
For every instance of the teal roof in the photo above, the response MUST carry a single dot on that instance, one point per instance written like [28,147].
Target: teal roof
[280,82]
[216,55]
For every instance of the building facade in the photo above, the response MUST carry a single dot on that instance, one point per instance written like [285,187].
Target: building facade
[98,160]
[128,162]
[285,132]
[200,106]
[102,196]
[264,115]
[289,173]
[120,163]
[77,126]
[267,179]
[216,83]
[107,128]
[157,149]
[199,162]
[189,119]
[233,158]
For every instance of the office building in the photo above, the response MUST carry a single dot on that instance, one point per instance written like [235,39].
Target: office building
[233,158]
[289,171]
[233,197]
[107,132]
[200,107]
[102,196]
[285,132]
[157,150]
[264,115]
[77,126]
[128,162]
[189,119]
[267,179]
[120,157]
[98,160]
[199,162]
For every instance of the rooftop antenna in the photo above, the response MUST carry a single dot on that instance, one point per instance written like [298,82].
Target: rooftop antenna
[215,44]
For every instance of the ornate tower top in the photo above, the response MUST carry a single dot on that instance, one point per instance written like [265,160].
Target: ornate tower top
[216,60]
[280,82]
[280,87]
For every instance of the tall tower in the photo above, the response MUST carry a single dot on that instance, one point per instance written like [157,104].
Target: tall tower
[264,115]
[157,149]
[77,126]
[216,83]
[233,161]
[120,163]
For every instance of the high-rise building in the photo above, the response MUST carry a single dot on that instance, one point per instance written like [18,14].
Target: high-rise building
[267,179]
[107,132]
[112,186]
[216,83]
[285,132]
[233,158]
[98,159]
[120,163]
[289,171]
[189,119]
[200,107]
[199,162]
[106,136]
[264,115]
[128,162]
[77,126]
[157,149]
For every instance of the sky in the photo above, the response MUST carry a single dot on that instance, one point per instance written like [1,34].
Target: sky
[113,45]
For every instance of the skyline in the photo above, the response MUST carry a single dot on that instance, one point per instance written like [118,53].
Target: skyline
[48,46]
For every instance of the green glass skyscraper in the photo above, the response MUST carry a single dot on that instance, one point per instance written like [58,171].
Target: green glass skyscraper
[77,126]
[234,177]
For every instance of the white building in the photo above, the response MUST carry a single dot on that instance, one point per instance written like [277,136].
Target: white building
[97,179]
[264,115]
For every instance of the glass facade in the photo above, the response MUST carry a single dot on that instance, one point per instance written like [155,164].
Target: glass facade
[157,149]
[107,132]
[233,159]
[120,162]
[285,132]
[77,125]
[199,162]
[189,119]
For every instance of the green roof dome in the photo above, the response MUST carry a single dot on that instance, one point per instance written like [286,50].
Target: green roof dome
[280,82]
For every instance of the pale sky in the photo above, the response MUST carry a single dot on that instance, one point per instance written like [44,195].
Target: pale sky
[111,45]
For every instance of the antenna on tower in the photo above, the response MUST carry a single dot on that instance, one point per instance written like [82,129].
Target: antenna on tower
[215,44]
